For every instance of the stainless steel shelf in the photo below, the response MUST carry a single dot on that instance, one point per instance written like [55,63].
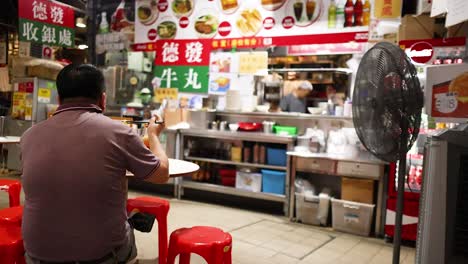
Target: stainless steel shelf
[284,115]
[248,136]
[244,164]
[232,191]
[367,158]
[341,70]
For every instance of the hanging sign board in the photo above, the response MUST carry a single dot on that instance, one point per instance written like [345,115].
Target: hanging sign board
[183,64]
[46,22]
[247,24]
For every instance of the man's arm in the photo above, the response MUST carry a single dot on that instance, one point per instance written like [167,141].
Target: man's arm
[160,175]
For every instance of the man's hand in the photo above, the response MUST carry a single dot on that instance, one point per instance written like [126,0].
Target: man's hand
[153,128]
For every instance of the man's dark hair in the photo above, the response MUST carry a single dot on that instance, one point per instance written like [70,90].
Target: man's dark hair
[83,80]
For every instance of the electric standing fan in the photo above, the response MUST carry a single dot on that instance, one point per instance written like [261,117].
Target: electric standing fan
[387,105]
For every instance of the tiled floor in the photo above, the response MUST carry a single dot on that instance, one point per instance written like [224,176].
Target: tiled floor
[265,239]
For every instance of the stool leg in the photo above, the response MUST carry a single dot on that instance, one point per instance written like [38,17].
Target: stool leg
[184,258]
[171,257]
[217,257]
[14,194]
[227,257]
[162,237]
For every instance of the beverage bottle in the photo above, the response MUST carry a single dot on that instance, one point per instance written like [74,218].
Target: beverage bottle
[340,18]
[358,13]
[332,14]
[104,26]
[366,13]
[349,12]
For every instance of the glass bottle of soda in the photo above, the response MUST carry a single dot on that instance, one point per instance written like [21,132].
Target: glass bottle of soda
[358,13]
[349,12]
[332,14]
[340,18]
[366,13]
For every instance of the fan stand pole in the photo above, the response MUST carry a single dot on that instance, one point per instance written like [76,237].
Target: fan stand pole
[400,199]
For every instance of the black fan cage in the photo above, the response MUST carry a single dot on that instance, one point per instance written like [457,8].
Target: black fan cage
[387,98]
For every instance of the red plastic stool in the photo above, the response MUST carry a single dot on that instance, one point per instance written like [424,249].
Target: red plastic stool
[213,244]
[11,245]
[159,208]
[13,187]
[11,215]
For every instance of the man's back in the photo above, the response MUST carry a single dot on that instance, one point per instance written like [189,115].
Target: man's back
[74,168]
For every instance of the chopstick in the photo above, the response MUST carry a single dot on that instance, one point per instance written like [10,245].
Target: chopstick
[144,122]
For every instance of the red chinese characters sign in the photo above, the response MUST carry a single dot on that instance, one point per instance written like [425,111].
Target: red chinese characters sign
[46,22]
[183,52]
[47,12]
[183,64]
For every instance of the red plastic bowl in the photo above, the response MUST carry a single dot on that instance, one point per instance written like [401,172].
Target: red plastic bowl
[248,126]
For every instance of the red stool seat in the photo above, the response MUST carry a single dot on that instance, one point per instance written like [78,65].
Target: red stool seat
[13,187]
[213,244]
[11,215]
[11,245]
[159,208]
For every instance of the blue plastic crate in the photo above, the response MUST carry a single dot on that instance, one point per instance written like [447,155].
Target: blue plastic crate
[276,156]
[273,181]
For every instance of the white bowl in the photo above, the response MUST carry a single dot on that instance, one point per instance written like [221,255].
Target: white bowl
[315,110]
[262,108]
[233,127]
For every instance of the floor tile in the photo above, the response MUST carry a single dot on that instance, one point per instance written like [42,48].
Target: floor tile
[266,239]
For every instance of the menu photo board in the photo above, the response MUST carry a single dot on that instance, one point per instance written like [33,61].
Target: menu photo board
[249,23]
[447,92]
[47,22]
[223,71]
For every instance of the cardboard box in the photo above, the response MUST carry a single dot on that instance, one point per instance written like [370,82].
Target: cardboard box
[174,116]
[391,37]
[43,72]
[458,30]
[357,190]
[416,27]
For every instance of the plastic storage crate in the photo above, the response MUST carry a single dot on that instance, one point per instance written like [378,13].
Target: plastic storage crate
[276,156]
[352,217]
[312,209]
[249,181]
[273,181]
[228,177]
[285,130]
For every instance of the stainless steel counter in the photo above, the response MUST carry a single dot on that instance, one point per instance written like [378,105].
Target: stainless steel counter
[283,115]
[362,158]
[249,136]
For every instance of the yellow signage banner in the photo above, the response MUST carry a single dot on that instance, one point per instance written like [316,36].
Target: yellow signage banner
[165,93]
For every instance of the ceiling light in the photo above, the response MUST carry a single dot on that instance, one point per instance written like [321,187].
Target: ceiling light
[82,46]
[80,22]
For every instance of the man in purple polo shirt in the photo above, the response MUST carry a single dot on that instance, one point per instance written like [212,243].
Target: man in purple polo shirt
[74,167]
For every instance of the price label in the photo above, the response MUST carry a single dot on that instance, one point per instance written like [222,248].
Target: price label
[43,95]
[446,102]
